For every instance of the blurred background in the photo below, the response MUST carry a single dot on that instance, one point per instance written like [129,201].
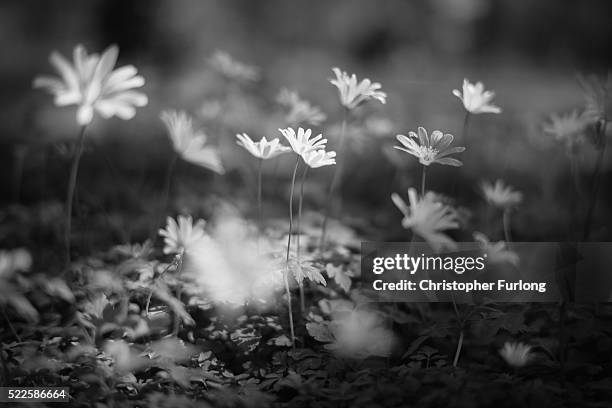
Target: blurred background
[528,52]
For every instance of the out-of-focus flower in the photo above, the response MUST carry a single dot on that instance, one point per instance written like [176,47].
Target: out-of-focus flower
[232,69]
[353,93]
[189,143]
[136,250]
[428,218]
[475,99]
[497,252]
[16,260]
[501,195]
[91,83]
[319,158]
[356,333]
[182,235]
[516,354]
[430,149]
[210,109]
[263,149]
[299,111]
[229,267]
[301,142]
[569,128]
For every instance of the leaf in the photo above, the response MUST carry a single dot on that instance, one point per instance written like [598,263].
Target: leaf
[161,291]
[320,331]
[339,276]
[416,343]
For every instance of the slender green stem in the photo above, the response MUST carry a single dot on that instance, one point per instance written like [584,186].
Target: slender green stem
[166,196]
[297,163]
[74,171]
[179,269]
[459,346]
[286,275]
[506,224]
[423,176]
[336,180]
[259,204]
[299,232]
[466,125]
[596,181]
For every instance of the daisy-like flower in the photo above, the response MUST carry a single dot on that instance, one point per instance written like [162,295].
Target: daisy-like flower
[353,93]
[475,99]
[189,143]
[232,69]
[182,235]
[301,142]
[319,158]
[501,195]
[497,252]
[263,149]
[428,218]
[516,354]
[299,110]
[92,84]
[430,149]
[596,92]
[569,128]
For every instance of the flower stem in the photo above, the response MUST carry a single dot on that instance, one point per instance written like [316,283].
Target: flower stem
[423,176]
[286,275]
[297,163]
[259,204]
[506,224]
[596,181]
[179,269]
[336,180]
[299,232]
[466,125]
[74,171]
[459,346]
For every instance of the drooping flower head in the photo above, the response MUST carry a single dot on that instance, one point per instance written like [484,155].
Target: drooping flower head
[497,252]
[301,141]
[263,149]
[182,235]
[299,111]
[569,128]
[596,95]
[500,194]
[475,99]
[92,84]
[319,158]
[428,218]
[232,69]
[430,149]
[190,143]
[516,354]
[353,93]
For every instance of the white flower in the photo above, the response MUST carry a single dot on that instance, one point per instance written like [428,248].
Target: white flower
[596,92]
[223,63]
[14,261]
[301,142]
[569,128]
[427,218]
[497,252]
[353,93]
[475,99]
[500,194]
[263,149]
[516,354]
[299,110]
[319,158]
[182,236]
[91,83]
[189,143]
[430,149]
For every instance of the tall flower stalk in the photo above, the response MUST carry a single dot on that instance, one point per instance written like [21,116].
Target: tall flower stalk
[92,83]
[72,180]
[299,233]
[352,93]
